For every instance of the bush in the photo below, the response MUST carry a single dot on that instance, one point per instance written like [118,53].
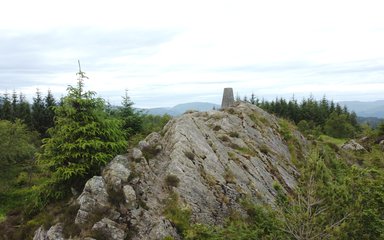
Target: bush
[172,180]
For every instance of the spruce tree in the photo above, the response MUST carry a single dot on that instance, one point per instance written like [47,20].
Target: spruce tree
[38,111]
[6,110]
[49,113]
[82,140]
[24,110]
[132,122]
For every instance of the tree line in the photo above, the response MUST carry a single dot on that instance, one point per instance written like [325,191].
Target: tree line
[313,116]
[38,116]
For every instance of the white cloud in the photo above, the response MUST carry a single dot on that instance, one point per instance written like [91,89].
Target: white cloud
[190,50]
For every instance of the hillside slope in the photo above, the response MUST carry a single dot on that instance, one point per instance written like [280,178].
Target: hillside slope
[209,160]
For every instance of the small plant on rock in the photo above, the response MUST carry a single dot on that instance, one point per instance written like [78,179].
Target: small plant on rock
[172,180]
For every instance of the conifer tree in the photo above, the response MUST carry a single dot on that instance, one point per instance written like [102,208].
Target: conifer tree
[49,114]
[38,111]
[24,110]
[6,110]
[132,122]
[82,141]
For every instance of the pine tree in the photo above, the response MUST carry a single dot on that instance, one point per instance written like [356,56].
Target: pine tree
[132,122]
[38,111]
[82,141]
[49,113]
[6,111]
[24,110]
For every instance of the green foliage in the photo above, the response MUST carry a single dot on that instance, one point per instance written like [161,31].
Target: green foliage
[179,215]
[131,119]
[312,116]
[337,125]
[285,129]
[83,140]
[380,129]
[16,143]
[150,123]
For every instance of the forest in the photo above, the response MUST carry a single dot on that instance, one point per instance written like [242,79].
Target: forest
[50,147]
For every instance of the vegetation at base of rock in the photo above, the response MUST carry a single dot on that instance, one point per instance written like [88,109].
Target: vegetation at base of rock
[177,214]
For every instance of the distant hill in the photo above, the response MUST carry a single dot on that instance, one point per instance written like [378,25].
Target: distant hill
[182,108]
[366,109]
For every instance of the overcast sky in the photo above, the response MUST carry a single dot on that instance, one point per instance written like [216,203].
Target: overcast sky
[170,52]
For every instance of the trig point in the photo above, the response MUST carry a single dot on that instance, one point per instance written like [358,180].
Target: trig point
[228,98]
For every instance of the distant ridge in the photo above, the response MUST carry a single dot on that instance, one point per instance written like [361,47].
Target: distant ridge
[182,108]
[366,109]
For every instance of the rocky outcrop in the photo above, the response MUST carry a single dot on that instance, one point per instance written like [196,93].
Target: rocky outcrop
[54,233]
[209,159]
[353,146]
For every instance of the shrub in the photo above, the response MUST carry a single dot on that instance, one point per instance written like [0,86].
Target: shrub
[234,134]
[172,180]
[224,138]
[216,128]
[264,149]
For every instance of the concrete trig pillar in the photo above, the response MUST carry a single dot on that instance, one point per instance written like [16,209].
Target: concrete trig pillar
[228,98]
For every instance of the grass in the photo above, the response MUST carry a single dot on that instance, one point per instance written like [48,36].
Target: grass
[337,141]
[179,215]
[286,129]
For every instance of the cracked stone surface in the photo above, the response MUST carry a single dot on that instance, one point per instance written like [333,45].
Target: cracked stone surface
[217,156]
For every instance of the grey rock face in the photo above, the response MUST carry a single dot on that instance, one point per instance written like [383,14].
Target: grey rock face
[130,197]
[93,199]
[109,229]
[136,154]
[116,173]
[55,232]
[40,234]
[216,158]
[352,145]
